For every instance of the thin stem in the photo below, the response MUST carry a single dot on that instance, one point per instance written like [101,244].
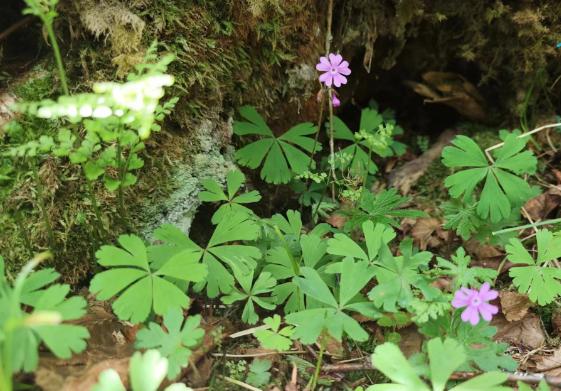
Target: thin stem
[522,227]
[331,145]
[58,57]
[319,362]
[536,130]
[122,166]
[41,201]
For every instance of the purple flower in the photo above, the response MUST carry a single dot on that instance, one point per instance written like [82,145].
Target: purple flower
[335,69]
[476,303]
[335,101]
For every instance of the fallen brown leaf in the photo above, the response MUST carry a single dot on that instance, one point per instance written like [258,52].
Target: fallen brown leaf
[527,332]
[411,340]
[540,207]
[514,305]
[482,251]
[292,385]
[549,365]
[428,232]
[337,220]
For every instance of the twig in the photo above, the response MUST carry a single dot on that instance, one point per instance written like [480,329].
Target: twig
[261,354]
[240,383]
[531,132]
[249,331]
[522,227]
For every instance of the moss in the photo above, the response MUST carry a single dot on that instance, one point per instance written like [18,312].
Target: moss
[38,84]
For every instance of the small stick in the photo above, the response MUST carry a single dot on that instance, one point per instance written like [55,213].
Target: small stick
[536,130]
[261,354]
[522,227]
[240,383]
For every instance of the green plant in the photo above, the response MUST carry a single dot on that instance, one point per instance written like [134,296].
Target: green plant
[174,341]
[462,273]
[540,281]
[145,278]
[274,337]
[374,136]
[259,374]
[325,312]
[146,373]
[503,188]
[444,357]
[383,207]
[233,203]
[31,313]
[252,293]
[46,11]
[282,157]
[218,252]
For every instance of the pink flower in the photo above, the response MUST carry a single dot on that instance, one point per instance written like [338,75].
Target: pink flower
[335,101]
[335,69]
[476,303]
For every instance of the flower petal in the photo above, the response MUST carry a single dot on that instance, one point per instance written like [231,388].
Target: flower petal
[461,299]
[335,59]
[344,69]
[470,315]
[339,80]
[486,294]
[323,66]
[487,311]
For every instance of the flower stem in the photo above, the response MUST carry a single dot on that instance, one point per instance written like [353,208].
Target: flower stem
[58,57]
[315,378]
[332,145]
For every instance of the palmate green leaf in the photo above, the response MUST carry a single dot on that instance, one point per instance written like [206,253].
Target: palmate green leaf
[541,282]
[141,289]
[445,357]
[35,309]
[376,236]
[503,188]
[281,157]
[332,315]
[397,276]
[252,293]
[259,374]
[233,204]
[274,337]
[463,274]
[217,255]
[279,262]
[175,342]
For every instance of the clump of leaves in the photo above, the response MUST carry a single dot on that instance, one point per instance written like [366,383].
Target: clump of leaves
[232,203]
[503,187]
[144,278]
[174,341]
[31,312]
[539,280]
[444,357]
[146,372]
[328,312]
[282,157]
